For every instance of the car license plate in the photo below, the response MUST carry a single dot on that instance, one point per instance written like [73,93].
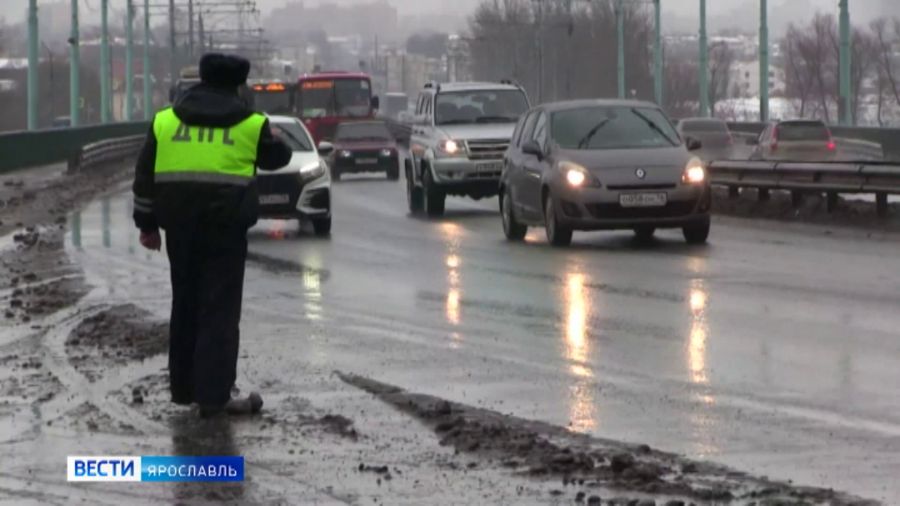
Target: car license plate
[643,199]
[367,161]
[489,167]
[274,199]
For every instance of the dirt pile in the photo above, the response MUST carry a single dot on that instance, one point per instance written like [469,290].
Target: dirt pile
[583,463]
[116,335]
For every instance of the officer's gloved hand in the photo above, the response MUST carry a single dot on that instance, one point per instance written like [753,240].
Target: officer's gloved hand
[151,240]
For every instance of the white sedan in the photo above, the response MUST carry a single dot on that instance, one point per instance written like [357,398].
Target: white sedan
[302,189]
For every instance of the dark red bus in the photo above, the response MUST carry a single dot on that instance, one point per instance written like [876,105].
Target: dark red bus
[326,99]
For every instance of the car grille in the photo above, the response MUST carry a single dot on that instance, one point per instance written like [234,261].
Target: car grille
[488,149]
[617,212]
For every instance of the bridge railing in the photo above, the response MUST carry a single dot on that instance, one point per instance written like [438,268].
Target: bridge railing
[802,178]
[24,149]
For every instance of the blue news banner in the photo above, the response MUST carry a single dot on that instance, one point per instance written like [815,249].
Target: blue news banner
[155,469]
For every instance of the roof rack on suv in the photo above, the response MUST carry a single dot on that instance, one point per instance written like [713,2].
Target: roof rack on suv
[433,85]
[510,82]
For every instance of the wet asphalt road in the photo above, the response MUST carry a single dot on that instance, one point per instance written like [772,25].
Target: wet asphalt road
[773,349]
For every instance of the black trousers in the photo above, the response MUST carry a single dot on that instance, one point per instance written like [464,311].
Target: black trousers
[207,264]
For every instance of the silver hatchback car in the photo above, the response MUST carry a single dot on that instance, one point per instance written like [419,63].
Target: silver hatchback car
[602,165]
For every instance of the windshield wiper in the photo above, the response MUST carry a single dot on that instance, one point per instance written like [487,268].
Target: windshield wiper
[494,119]
[592,132]
[654,126]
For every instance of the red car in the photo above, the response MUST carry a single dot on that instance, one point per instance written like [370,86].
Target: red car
[364,146]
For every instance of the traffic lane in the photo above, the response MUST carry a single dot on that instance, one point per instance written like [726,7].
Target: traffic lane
[766,339]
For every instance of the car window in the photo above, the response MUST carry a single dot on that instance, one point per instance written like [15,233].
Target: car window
[803,131]
[479,106]
[293,135]
[428,102]
[517,133]
[362,131]
[540,130]
[419,104]
[612,127]
[528,128]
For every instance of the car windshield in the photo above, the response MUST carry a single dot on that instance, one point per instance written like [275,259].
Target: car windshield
[612,127]
[293,135]
[346,97]
[362,131]
[479,106]
[704,126]
[272,102]
[803,131]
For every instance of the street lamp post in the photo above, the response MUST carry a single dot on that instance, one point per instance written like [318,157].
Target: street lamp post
[657,54]
[148,94]
[763,61]
[620,44]
[74,70]
[104,61]
[129,61]
[845,84]
[704,63]
[33,64]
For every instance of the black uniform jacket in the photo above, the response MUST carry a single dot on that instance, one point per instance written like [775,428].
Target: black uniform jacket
[165,204]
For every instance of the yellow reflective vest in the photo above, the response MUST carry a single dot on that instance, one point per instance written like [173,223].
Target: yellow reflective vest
[205,154]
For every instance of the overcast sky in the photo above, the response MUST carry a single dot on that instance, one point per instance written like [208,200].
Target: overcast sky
[679,14]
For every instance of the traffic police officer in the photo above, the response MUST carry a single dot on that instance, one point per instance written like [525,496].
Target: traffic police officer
[195,179]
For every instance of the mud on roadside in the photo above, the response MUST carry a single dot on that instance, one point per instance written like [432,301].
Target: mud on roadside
[637,474]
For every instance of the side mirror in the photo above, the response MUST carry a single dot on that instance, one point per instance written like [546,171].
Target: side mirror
[533,148]
[376,102]
[753,141]
[692,144]
[325,148]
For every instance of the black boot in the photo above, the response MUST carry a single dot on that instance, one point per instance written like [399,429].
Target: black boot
[236,406]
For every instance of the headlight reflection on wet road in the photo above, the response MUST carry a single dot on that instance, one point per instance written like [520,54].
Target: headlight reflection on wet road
[576,313]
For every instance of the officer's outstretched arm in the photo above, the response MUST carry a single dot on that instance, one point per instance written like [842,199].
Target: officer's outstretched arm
[271,154]
[144,218]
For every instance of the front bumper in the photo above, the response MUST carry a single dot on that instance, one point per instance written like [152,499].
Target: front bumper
[305,198]
[599,208]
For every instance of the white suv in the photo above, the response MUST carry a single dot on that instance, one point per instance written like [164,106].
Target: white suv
[460,132]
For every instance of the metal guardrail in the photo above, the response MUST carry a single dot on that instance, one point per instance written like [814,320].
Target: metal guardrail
[106,151]
[802,178]
[20,150]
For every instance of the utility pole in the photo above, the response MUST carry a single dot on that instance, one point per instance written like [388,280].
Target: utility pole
[33,65]
[148,93]
[104,61]
[129,61]
[620,44]
[763,61]
[201,39]
[704,63]
[191,29]
[845,91]
[173,70]
[657,55]
[74,71]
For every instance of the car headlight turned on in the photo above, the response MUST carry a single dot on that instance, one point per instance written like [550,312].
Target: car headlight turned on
[313,171]
[450,147]
[694,172]
[345,154]
[576,175]
[387,152]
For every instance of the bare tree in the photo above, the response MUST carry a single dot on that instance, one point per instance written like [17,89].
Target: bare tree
[680,88]
[885,50]
[560,49]
[721,61]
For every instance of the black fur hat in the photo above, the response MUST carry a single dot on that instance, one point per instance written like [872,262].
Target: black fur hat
[224,70]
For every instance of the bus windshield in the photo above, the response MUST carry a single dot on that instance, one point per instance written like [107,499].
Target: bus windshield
[272,102]
[346,97]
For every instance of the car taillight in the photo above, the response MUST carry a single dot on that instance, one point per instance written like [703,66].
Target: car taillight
[774,146]
[831,146]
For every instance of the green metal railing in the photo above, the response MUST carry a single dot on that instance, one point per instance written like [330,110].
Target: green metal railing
[43,147]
